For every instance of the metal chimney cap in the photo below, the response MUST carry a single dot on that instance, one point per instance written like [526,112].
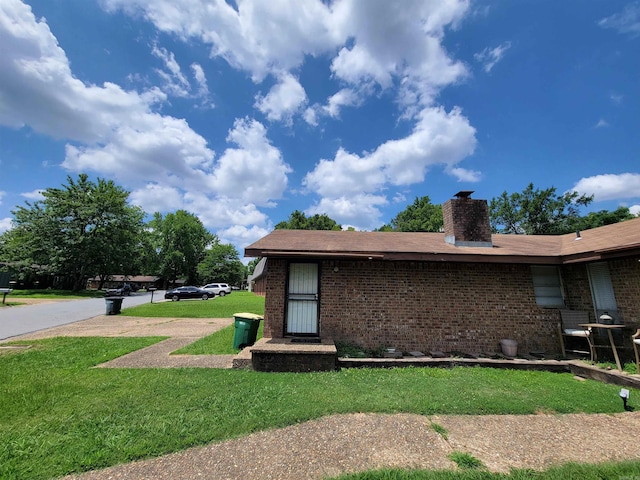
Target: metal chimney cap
[464,194]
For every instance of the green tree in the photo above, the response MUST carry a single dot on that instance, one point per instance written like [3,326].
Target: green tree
[78,231]
[536,212]
[299,221]
[421,216]
[600,219]
[222,264]
[180,241]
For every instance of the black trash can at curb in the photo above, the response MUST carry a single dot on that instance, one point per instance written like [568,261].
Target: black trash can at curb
[246,326]
[114,305]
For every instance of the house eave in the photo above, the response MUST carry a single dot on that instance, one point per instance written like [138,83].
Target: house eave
[408,256]
[314,254]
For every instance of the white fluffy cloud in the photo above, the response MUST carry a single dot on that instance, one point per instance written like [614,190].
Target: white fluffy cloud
[175,83]
[241,235]
[350,180]
[347,97]
[254,173]
[203,87]
[258,37]
[465,175]
[283,100]
[5,224]
[610,186]
[360,211]
[157,198]
[119,134]
[377,41]
[38,89]
[397,41]
[33,195]
[373,46]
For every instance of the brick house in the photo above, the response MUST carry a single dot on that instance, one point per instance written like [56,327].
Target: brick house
[257,281]
[462,290]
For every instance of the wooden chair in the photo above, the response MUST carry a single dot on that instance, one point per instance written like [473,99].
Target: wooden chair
[636,341]
[569,327]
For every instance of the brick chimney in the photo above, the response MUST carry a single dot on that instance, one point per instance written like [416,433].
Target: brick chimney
[466,221]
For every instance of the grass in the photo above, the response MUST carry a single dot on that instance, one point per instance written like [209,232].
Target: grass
[47,294]
[440,430]
[218,343]
[220,307]
[58,415]
[465,460]
[53,294]
[626,367]
[570,471]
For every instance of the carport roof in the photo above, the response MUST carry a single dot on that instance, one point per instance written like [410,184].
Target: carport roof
[617,240]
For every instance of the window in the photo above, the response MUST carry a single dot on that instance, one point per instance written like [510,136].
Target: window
[547,286]
[604,300]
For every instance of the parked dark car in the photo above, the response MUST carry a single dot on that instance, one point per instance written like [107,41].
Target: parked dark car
[188,292]
[120,291]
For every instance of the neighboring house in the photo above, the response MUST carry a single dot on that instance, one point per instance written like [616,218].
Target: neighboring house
[257,281]
[459,291]
[143,281]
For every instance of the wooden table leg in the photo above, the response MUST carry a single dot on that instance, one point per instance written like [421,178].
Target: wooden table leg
[615,350]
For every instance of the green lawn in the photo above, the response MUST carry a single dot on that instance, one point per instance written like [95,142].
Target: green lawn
[53,294]
[58,415]
[219,307]
[218,343]
[14,297]
[613,471]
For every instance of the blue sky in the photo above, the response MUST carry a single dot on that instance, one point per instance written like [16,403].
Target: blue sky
[242,112]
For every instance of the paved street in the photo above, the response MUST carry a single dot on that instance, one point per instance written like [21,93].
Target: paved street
[31,318]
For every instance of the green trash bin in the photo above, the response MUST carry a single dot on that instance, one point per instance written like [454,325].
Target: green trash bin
[246,329]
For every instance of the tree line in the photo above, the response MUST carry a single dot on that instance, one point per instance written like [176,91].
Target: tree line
[88,229]
[530,212]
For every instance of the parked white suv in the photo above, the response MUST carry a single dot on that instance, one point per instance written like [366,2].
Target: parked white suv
[221,289]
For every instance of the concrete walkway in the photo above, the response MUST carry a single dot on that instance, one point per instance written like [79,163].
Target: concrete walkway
[339,444]
[159,356]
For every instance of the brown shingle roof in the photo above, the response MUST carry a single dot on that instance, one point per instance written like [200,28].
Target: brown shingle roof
[598,243]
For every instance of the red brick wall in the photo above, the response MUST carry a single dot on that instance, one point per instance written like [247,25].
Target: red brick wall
[423,306]
[259,286]
[576,288]
[467,220]
[274,302]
